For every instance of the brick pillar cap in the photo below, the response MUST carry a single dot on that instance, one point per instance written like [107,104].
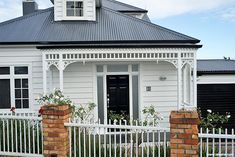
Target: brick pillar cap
[56,110]
[184,117]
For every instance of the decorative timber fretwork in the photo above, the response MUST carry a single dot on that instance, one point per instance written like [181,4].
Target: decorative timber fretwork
[69,56]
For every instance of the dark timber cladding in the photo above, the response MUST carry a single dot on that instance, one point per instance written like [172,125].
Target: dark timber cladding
[219,98]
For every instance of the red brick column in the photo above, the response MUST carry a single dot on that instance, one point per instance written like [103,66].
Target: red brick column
[184,133]
[55,135]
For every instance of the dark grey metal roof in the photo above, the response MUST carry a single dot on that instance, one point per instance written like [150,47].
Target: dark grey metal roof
[110,26]
[216,66]
[122,7]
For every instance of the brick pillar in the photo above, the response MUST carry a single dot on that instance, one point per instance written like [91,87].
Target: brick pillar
[184,133]
[55,135]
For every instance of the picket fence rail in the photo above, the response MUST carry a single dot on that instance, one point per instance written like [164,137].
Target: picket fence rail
[216,142]
[91,139]
[21,135]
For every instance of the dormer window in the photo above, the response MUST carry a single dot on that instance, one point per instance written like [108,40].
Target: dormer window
[74,8]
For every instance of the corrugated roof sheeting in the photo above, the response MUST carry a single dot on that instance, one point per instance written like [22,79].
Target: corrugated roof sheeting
[216,65]
[119,6]
[110,26]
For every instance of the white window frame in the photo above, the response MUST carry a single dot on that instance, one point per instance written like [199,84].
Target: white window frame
[12,76]
[74,17]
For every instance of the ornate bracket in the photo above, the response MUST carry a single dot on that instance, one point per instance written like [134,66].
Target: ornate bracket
[50,63]
[173,61]
[189,62]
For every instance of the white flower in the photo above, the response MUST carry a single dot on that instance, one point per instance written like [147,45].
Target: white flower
[61,99]
[210,120]
[228,116]
[38,97]
[57,97]
[209,111]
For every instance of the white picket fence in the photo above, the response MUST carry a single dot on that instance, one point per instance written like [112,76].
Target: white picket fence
[21,135]
[117,140]
[216,142]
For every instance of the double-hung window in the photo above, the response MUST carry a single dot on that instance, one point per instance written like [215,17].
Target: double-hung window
[74,8]
[14,87]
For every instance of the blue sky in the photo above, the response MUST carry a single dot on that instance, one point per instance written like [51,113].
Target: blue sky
[216,34]
[211,21]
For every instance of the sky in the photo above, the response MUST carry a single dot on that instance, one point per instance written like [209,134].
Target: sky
[211,21]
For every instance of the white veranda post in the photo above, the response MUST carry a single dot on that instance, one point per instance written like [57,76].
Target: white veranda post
[44,71]
[61,70]
[179,78]
[46,65]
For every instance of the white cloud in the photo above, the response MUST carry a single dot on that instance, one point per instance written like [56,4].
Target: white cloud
[8,11]
[166,8]
[157,8]
[229,14]
[13,8]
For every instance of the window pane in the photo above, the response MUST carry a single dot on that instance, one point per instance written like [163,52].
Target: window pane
[5,99]
[135,67]
[78,4]
[25,93]
[70,4]
[25,83]
[117,68]
[79,12]
[17,83]
[25,103]
[100,98]
[18,93]
[18,104]
[21,70]
[135,86]
[70,12]
[4,70]
[99,68]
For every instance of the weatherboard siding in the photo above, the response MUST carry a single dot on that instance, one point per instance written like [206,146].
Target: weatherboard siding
[90,9]
[26,56]
[163,94]
[78,82]
[58,10]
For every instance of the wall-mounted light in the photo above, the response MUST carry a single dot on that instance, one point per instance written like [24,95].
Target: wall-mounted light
[162,78]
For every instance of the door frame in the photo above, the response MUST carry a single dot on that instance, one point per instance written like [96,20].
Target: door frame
[104,74]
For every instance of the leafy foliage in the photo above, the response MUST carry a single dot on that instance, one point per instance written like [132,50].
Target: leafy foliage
[83,111]
[118,117]
[152,116]
[56,98]
[213,120]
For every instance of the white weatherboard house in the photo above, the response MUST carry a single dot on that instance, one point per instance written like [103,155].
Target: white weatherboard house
[100,51]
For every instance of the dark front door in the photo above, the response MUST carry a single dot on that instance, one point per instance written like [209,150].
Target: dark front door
[118,94]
